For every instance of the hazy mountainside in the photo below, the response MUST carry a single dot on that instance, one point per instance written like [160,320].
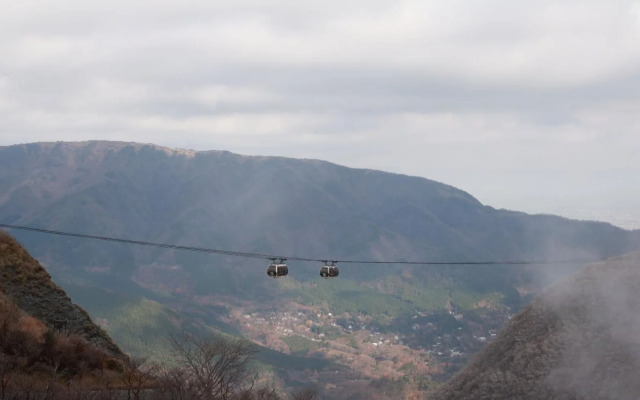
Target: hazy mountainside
[264,205]
[577,340]
[287,207]
[267,204]
[25,283]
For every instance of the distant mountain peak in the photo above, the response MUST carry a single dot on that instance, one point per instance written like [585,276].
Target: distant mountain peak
[104,146]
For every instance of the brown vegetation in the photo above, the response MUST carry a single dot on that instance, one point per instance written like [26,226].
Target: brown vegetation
[214,368]
[25,283]
[34,361]
[39,358]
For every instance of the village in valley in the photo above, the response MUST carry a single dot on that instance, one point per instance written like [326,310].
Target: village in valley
[433,345]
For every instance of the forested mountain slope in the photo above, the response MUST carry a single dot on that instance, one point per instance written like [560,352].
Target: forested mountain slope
[268,204]
[580,339]
[288,207]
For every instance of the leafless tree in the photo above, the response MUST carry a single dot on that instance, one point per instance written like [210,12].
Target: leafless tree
[173,385]
[10,337]
[263,393]
[212,367]
[305,393]
[6,373]
[138,373]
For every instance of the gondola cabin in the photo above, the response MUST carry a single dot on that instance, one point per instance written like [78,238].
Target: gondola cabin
[329,270]
[277,270]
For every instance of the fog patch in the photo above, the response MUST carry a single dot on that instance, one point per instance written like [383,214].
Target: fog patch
[600,313]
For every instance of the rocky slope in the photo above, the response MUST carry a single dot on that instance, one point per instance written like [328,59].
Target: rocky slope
[25,283]
[580,339]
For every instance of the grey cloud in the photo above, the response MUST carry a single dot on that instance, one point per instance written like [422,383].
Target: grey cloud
[461,92]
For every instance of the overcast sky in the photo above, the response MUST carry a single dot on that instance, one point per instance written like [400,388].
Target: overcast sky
[527,105]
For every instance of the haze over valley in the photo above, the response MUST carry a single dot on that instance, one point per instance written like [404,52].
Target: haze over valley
[400,329]
[469,168]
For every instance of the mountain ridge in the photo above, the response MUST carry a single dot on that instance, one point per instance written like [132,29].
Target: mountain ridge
[265,205]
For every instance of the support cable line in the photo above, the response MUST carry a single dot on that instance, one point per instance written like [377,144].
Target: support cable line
[282,258]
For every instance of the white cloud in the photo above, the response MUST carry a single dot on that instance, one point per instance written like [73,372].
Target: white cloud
[483,95]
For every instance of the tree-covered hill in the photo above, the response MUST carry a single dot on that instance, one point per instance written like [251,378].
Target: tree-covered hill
[577,340]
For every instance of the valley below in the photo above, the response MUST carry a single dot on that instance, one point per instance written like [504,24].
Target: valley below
[382,329]
[426,349]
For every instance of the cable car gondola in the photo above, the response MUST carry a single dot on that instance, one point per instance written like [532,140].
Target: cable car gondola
[329,270]
[277,270]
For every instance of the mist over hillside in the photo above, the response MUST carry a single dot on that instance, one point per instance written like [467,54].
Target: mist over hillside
[288,207]
[577,340]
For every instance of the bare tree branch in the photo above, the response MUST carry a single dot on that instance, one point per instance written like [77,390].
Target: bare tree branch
[213,367]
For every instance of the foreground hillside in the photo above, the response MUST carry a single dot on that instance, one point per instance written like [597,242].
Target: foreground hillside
[580,339]
[27,286]
[47,342]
